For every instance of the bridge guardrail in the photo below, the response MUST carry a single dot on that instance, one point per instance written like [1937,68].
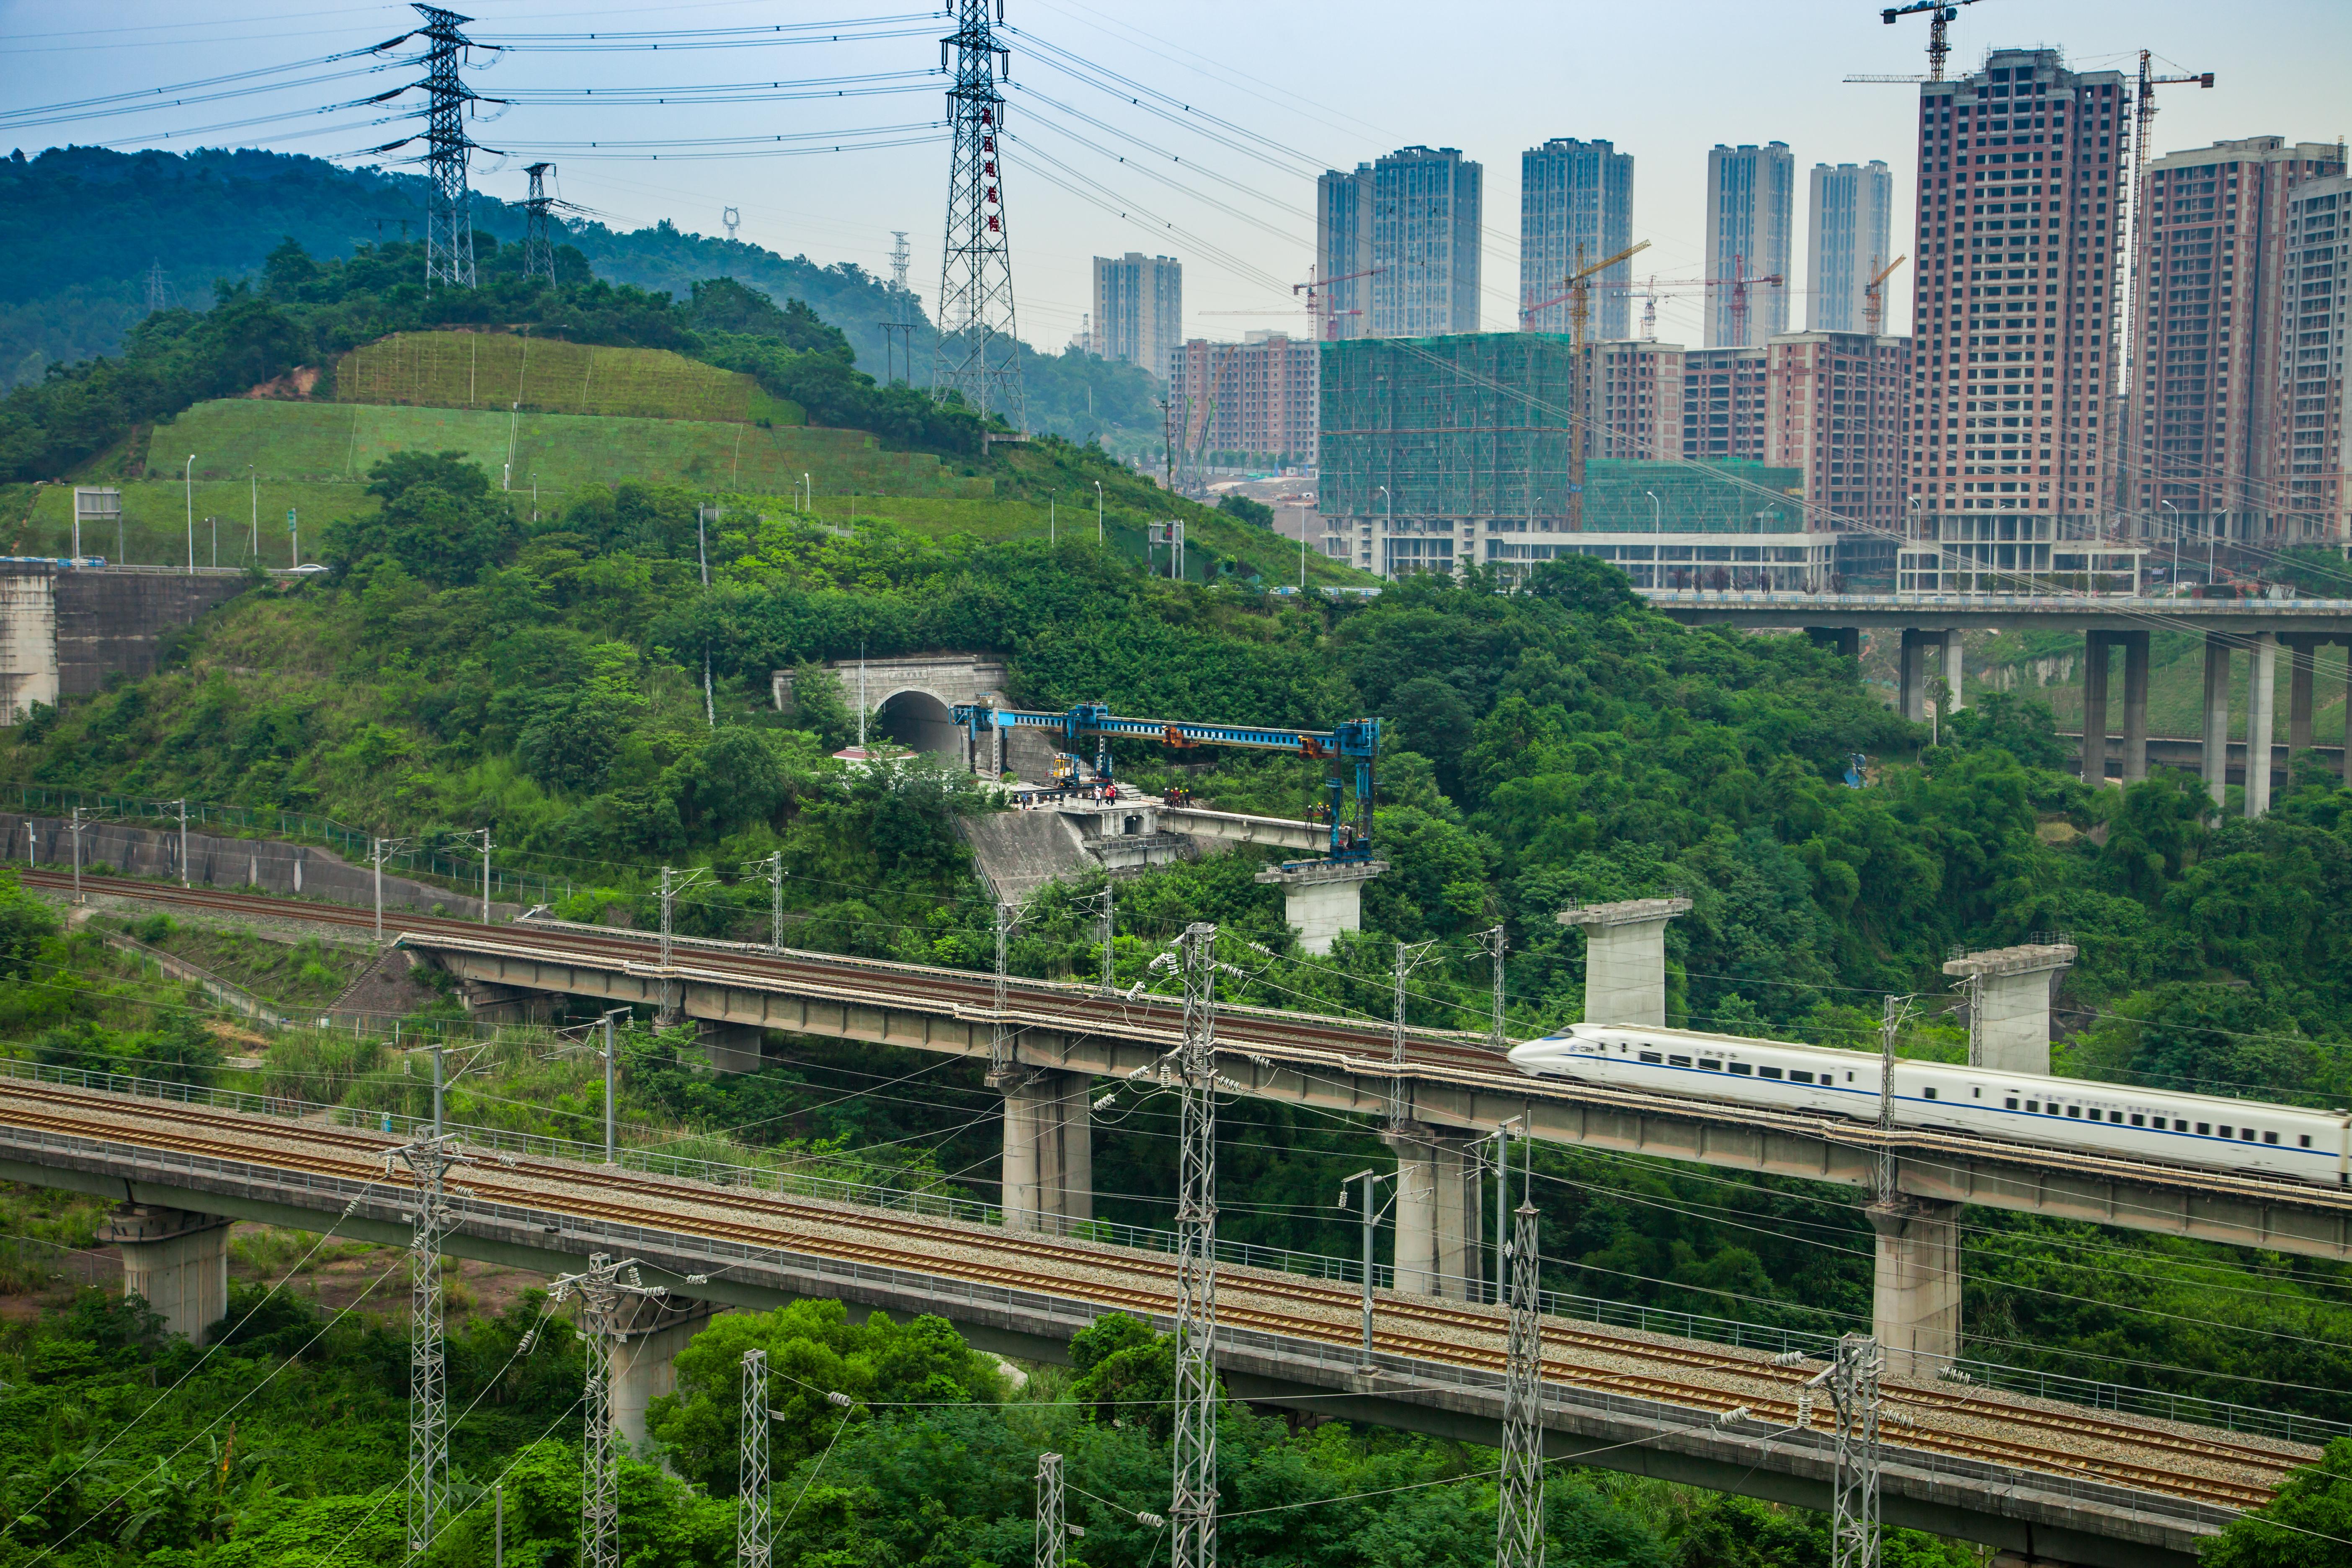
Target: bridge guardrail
[2122,1399]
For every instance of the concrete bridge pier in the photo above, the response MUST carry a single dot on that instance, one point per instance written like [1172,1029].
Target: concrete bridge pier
[1416,1206]
[1625,958]
[2216,758]
[1955,664]
[1911,683]
[177,1262]
[2008,1005]
[1843,641]
[1915,1298]
[646,1344]
[1457,1219]
[1320,899]
[2262,716]
[732,1047]
[1049,1164]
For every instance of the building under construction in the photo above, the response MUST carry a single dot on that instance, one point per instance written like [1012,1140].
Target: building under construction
[1426,444]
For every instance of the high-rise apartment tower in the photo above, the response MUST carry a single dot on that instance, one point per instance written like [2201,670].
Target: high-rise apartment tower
[1410,219]
[1138,309]
[1850,237]
[2209,395]
[1576,207]
[1750,194]
[2318,502]
[2015,299]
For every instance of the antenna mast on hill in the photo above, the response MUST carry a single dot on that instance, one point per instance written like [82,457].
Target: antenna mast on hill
[538,245]
[733,219]
[448,215]
[979,352]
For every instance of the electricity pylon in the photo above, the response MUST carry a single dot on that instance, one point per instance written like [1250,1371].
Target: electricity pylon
[979,349]
[1853,1380]
[538,239]
[1519,1503]
[1194,1509]
[449,209]
[428,1160]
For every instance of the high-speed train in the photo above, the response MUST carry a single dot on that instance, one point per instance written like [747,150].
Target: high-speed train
[2199,1130]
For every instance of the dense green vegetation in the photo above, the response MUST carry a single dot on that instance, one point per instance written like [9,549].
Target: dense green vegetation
[284,1446]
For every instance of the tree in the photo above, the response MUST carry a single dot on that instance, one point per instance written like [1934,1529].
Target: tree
[2307,1525]
[1235,504]
[26,924]
[441,520]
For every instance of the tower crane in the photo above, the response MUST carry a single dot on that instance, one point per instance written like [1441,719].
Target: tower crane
[2143,123]
[1576,289]
[1326,321]
[1940,16]
[1873,304]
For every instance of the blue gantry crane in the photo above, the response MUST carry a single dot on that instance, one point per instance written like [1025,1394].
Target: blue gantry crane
[1356,743]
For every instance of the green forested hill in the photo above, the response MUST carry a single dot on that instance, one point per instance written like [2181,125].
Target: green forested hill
[80,228]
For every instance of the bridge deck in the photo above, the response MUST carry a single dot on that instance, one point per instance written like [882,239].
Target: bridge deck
[2091,1486]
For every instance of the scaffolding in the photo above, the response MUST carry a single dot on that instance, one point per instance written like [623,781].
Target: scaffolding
[1473,426]
[1689,497]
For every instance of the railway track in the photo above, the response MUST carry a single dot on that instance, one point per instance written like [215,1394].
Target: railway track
[1291,1041]
[2148,1456]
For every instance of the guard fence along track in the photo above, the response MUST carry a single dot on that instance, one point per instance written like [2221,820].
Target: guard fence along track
[2144,1456]
[1290,1042]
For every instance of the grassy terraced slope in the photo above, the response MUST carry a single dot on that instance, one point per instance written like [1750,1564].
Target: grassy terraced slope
[339,441]
[546,376]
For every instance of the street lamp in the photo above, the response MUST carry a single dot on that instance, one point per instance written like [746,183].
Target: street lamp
[1656,526]
[1389,543]
[1098,528]
[189,481]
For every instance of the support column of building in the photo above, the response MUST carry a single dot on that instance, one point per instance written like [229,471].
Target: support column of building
[2302,671]
[1320,899]
[2262,694]
[1048,1173]
[1955,661]
[2095,707]
[2009,991]
[2135,646]
[644,1356]
[2216,757]
[1911,676]
[1915,1298]
[1625,958]
[1416,1208]
[176,1261]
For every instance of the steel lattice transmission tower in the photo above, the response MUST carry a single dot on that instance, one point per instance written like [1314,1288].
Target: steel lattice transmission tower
[1520,1501]
[1051,1535]
[428,1160]
[601,1290]
[1194,1510]
[755,1527]
[979,348]
[1853,1380]
[448,214]
[538,237]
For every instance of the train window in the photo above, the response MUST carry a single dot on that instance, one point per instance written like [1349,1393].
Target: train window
[2224,1130]
[1651,1056]
[2205,1127]
[1799,1074]
[2075,1110]
[2246,1134]
[2011,1103]
[1711,1064]
[1678,1061]
[2304,1141]
[1849,1078]
[1767,1072]
[2270,1137]
[2034,1106]
[1740,1070]
[1929,1091]
[2137,1119]
[1975,1092]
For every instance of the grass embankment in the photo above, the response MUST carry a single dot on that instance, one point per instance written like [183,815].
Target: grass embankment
[499,371]
[341,441]
[155,520]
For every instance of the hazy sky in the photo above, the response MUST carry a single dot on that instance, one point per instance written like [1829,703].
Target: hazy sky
[1259,98]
